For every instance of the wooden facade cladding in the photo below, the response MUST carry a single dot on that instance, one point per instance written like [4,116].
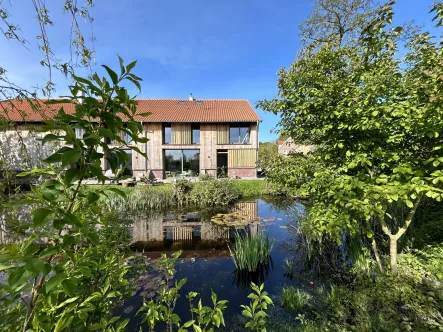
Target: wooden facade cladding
[223,134]
[181,133]
[242,158]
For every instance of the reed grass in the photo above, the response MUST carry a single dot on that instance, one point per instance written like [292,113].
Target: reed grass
[295,299]
[143,198]
[251,251]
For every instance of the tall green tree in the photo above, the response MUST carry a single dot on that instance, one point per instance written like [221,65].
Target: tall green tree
[267,151]
[376,120]
[337,22]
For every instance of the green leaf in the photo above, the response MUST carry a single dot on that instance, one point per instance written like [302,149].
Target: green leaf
[57,101]
[34,266]
[93,237]
[49,251]
[92,197]
[69,286]
[72,175]
[70,157]
[409,203]
[18,278]
[37,171]
[130,66]
[50,138]
[5,266]
[118,192]
[122,67]
[55,281]
[188,323]
[41,216]
[144,114]
[112,74]
[197,328]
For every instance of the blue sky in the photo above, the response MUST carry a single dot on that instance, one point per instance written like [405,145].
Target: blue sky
[215,49]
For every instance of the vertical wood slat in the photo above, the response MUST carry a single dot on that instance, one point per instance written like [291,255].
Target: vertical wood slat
[242,158]
[181,133]
[223,134]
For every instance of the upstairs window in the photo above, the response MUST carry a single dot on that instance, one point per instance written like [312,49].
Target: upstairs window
[239,134]
[195,133]
[167,134]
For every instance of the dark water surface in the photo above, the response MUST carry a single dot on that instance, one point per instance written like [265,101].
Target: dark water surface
[206,261]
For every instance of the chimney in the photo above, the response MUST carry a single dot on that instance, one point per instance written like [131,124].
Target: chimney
[191,97]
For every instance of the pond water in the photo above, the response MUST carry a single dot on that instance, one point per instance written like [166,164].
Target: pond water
[205,261]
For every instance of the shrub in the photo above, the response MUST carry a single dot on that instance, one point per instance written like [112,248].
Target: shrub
[251,251]
[412,301]
[182,191]
[214,193]
[205,177]
[295,299]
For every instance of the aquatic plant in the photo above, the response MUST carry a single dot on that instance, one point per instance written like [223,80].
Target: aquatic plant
[235,219]
[250,251]
[295,299]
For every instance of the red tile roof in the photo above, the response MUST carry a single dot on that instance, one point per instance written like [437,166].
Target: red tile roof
[163,110]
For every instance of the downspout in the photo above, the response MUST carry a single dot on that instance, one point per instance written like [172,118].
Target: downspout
[258,144]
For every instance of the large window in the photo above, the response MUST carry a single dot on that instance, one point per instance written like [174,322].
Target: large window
[239,134]
[182,163]
[167,136]
[195,133]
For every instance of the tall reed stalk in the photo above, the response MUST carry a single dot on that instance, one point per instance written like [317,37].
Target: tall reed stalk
[251,251]
[144,198]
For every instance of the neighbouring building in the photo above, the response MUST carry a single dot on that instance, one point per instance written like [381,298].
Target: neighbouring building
[186,137]
[288,146]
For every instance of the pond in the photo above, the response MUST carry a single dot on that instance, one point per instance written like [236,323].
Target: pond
[206,260]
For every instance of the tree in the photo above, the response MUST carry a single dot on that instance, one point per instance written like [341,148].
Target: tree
[75,280]
[267,151]
[336,22]
[376,121]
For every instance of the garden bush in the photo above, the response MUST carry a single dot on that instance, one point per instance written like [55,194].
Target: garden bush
[214,193]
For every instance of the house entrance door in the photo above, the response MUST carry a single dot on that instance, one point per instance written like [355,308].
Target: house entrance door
[222,163]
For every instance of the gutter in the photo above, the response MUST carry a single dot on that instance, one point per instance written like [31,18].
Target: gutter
[258,145]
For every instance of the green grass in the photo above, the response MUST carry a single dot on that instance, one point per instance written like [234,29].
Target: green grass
[294,299]
[251,251]
[142,198]
[250,188]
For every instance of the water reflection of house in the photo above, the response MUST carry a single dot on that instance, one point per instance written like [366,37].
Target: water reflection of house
[188,232]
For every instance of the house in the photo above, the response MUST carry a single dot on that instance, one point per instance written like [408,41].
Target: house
[288,146]
[186,137]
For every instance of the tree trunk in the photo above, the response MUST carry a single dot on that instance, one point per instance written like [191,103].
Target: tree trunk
[393,254]
[377,255]
[393,238]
